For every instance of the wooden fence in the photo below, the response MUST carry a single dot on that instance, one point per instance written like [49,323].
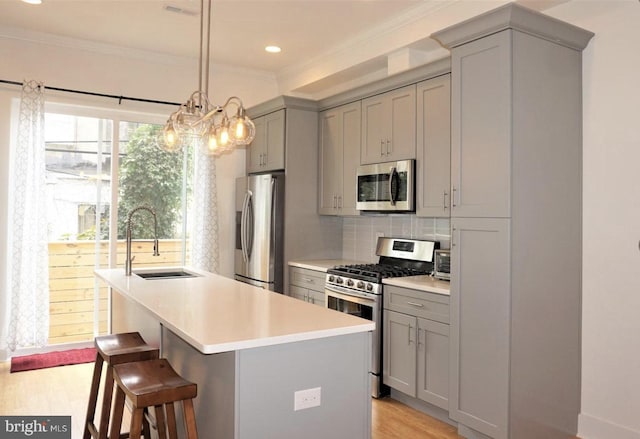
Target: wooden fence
[72,283]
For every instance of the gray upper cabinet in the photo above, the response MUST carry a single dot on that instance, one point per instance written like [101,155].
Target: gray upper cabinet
[516,172]
[339,157]
[266,152]
[389,126]
[433,165]
[481,128]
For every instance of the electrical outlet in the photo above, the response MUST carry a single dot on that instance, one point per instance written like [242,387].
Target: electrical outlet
[305,399]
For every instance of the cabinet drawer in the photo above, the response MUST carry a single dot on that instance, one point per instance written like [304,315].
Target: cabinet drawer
[417,303]
[313,280]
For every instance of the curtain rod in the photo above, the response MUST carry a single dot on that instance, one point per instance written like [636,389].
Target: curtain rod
[102,95]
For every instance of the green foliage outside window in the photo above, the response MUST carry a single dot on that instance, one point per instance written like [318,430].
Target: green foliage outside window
[151,177]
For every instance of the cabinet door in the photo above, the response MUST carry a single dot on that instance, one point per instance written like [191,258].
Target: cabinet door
[266,152]
[399,353]
[433,165]
[480,135]
[298,292]
[401,140]
[351,121]
[480,317]
[274,152]
[256,150]
[317,298]
[331,162]
[375,131]
[433,362]
[389,126]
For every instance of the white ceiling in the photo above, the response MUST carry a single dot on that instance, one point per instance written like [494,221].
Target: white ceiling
[307,30]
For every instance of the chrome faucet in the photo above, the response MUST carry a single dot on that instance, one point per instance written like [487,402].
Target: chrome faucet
[129,261]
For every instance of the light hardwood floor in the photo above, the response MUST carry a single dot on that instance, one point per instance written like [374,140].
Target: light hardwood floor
[64,391]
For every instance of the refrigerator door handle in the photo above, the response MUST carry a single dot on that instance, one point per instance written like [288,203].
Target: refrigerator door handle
[243,227]
[249,226]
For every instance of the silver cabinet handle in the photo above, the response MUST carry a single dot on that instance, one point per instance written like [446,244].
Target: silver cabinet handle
[382,148]
[335,201]
[453,196]
[419,305]
[388,149]
[308,280]
[409,341]
[453,230]
[444,200]
[339,201]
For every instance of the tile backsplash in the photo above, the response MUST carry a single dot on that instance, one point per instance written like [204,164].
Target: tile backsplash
[360,234]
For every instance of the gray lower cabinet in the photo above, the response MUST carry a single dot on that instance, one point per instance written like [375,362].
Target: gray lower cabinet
[416,344]
[307,285]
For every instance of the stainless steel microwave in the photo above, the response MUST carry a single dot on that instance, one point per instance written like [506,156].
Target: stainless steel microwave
[386,187]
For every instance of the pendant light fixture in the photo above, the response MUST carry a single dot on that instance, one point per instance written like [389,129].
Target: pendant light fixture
[198,121]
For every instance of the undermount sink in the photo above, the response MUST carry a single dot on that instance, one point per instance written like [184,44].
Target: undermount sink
[173,273]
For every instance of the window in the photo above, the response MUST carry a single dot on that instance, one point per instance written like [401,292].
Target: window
[96,160]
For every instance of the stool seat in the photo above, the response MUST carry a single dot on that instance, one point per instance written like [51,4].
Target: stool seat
[113,350]
[153,383]
[124,348]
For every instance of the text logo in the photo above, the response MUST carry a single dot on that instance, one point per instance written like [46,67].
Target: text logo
[35,427]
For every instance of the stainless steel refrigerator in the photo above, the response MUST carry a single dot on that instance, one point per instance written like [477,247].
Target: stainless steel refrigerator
[259,258]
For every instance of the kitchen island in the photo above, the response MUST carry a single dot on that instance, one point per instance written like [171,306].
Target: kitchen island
[250,350]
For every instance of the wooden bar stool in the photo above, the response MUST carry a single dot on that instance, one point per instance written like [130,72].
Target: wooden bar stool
[112,349]
[153,383]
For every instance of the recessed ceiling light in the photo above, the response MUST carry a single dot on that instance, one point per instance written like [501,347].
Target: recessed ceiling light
[33,2]
[272,49]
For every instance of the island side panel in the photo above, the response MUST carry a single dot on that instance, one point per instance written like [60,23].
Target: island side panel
[215,375]
[128,316]
[268,378]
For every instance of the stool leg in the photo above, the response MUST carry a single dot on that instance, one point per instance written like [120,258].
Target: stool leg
[106,403]
[136,423]
[162,426]
[93,396]
[146,428]
[171,420]
[116,419]
[190,419]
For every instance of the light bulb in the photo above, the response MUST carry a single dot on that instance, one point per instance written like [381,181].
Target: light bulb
[169,140]
[210,145]
[243,130]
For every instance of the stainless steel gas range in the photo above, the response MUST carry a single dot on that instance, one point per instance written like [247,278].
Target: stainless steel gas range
[357,289]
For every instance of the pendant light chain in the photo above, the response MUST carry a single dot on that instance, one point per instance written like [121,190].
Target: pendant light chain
[197,122]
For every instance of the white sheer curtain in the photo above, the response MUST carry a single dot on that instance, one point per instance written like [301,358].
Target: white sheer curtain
[28,259]
[204,214]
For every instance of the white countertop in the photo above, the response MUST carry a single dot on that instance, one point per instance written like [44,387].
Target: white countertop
[322,264]
[422,283]
[217,314]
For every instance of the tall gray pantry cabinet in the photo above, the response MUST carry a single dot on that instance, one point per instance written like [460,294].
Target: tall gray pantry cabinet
[516,183]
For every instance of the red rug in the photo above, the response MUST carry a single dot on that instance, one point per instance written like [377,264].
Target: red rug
[53,359]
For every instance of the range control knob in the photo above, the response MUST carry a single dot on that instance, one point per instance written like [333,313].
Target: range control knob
[339,280]
[360,285]
[332,278]
[369,287]
[349,283]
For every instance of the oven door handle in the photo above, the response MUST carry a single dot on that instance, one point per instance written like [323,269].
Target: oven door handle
[348,297]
